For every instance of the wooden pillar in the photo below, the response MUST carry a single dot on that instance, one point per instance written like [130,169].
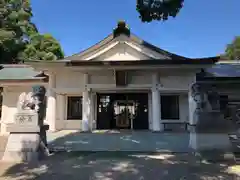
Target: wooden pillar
[4,119]
[86,106]
[156,104]
[51,103]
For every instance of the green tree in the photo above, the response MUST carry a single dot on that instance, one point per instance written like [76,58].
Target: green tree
[18,35]
[42,47]
[232,51]
[159,10]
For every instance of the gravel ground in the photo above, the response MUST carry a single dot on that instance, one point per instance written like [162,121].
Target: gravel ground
[117,166]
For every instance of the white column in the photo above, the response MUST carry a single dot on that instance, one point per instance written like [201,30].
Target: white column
[192,120]
[191,108]
[85,105]
[156,104]
[4,119]
[156,110]
[92,111]
[61,113]
[51,103]
[86,111]
[150,111]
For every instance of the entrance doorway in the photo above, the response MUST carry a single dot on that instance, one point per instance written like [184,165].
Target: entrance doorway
[122,111]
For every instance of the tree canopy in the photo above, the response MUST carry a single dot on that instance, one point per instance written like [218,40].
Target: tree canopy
[159,10]
[232,51]
[19,37]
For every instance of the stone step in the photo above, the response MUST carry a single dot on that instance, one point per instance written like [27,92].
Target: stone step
[3,143]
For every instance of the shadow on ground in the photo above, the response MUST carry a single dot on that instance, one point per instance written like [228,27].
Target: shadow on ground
[117,165]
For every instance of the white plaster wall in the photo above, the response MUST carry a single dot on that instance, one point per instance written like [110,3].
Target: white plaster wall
[75,80]
[178,81]
[107,77]
[69,79]
[101,77]
[140,77]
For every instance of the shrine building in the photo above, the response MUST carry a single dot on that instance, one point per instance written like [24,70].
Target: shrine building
[121,82]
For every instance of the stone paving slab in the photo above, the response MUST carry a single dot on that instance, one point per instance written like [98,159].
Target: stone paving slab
[118,166]
[126,141]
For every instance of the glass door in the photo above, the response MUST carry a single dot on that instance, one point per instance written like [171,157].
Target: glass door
[124,112]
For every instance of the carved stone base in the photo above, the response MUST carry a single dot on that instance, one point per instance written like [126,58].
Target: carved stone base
[22,147]
[14,128]
[210,141]
[211,122]
[212,146]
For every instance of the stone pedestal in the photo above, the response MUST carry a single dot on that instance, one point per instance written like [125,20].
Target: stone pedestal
[209,137]
[22,148]
[210,141]
[24,139]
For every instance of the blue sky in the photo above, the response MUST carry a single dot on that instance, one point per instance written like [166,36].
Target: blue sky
[202,28]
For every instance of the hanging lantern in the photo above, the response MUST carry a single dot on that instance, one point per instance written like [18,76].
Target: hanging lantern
[158,9]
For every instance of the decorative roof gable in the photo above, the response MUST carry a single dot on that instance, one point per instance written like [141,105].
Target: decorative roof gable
[122,35]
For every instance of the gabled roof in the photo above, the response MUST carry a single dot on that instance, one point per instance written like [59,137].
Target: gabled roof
[122,39]
[123,30]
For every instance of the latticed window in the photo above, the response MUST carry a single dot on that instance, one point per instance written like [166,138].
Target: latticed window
[74,108]
[170,107]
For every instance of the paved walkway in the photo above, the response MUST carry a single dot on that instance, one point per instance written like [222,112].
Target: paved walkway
[117,166]
[143,141]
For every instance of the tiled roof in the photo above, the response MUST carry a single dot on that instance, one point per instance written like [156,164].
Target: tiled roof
[224,70]
[17,72]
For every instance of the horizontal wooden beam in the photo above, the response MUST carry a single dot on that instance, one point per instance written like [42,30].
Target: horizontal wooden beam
[22,83]
[112,87]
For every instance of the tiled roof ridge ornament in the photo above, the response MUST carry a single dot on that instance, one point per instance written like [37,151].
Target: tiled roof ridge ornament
[121,28]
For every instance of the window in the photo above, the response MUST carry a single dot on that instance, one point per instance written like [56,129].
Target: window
[121,78]
[74,108]
[170,107]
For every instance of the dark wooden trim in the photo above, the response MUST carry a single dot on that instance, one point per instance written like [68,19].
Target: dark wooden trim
[42,80]
[220,79]
[142,62]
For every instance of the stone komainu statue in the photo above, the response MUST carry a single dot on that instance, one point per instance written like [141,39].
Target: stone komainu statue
[199,96]
[40,102]
[208,116]
[26,102]
[213,99]
[35,101]
[206,97]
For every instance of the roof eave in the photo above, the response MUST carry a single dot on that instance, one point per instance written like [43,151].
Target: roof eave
[150,62]
[26,82]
